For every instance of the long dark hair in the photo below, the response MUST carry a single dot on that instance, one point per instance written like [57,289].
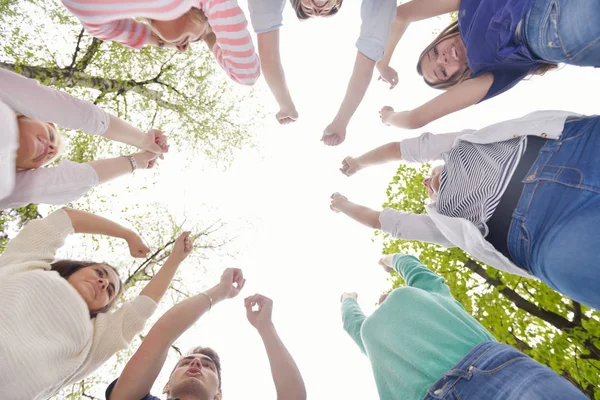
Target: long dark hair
[66,268]
[297,6]
[463,74]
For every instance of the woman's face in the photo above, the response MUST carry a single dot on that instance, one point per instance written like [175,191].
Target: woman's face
[37,143]
[316,8]
[181,31]
[97,284]
[432,183]
[444,60]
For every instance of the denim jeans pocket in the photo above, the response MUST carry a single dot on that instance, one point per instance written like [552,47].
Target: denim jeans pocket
[549,33]
[492,369]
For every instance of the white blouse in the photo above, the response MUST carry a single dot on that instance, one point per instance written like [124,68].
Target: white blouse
[57,185]
[455,231]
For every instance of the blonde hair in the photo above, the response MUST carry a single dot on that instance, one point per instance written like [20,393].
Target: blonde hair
[59,138]
[461,75]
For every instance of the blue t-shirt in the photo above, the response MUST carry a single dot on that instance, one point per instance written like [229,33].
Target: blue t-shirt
[487,28]
[110,388]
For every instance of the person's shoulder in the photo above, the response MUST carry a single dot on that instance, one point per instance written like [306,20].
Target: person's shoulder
[110,388]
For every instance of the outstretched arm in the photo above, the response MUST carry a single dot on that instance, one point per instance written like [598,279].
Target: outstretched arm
[143,368]
[158,285]
[406,13]
[268,50]
[286,376]
[362,214]
[335,133]
[353,318]
[380,155]
[463,95]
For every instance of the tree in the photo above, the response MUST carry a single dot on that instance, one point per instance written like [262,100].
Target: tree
[524,313]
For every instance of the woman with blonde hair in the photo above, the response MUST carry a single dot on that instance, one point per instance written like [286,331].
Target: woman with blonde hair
[30,140]
[221,24]
[55,324]
[492,46]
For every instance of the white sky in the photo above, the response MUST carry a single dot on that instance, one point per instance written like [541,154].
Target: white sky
[291,247]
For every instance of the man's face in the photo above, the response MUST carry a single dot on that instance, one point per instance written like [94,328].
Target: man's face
[194,375]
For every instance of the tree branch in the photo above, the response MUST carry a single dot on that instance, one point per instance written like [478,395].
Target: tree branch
[89,55]
[77,48]
[65,77]
[553,319]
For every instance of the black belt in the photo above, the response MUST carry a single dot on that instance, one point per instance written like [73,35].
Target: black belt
[499,224]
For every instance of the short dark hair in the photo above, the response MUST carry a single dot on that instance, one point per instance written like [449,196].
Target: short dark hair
[297,6]
[66,268]
[208,352]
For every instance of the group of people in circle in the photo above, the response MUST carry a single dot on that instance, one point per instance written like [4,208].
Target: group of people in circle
[523,196]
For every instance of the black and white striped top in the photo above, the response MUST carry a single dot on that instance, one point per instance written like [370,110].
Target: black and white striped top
[474,178]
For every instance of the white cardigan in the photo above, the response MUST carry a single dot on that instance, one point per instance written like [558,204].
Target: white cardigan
[47,339]
[67,182]
[459,232]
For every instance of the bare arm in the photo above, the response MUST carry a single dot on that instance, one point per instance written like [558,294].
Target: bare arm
[112,168]
[158,285]
[84,222]
[364,215]
[406,13]
[289,384]
[463,95]
[380,155]
[335,133]
[268,50]
[143,368]
[121,131]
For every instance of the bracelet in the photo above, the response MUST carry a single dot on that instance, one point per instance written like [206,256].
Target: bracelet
[209,300]
[160,42]
[132,162]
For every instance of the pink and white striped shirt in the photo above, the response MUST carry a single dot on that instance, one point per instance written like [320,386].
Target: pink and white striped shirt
[114,20]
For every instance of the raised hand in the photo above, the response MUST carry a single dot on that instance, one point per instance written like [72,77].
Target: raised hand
[334,134]
[388,75]
[336,201]
[385,114]
[145,159]
[260,318]
[287,116]
[385,263]
[382,298]
[232,282]
[350,166]
[137,248]
[155,142]
[352,295]
[183,246]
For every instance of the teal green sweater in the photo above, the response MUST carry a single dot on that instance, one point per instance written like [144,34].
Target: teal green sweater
[417,334]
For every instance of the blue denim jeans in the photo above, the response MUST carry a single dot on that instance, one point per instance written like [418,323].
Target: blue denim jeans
[496,371]
[555,229]
[564,31]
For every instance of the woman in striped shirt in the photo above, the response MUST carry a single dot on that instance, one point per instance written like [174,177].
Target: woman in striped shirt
[508,195]
[221,24]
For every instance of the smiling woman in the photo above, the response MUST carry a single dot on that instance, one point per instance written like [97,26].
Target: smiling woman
[30,141]
[56,316]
